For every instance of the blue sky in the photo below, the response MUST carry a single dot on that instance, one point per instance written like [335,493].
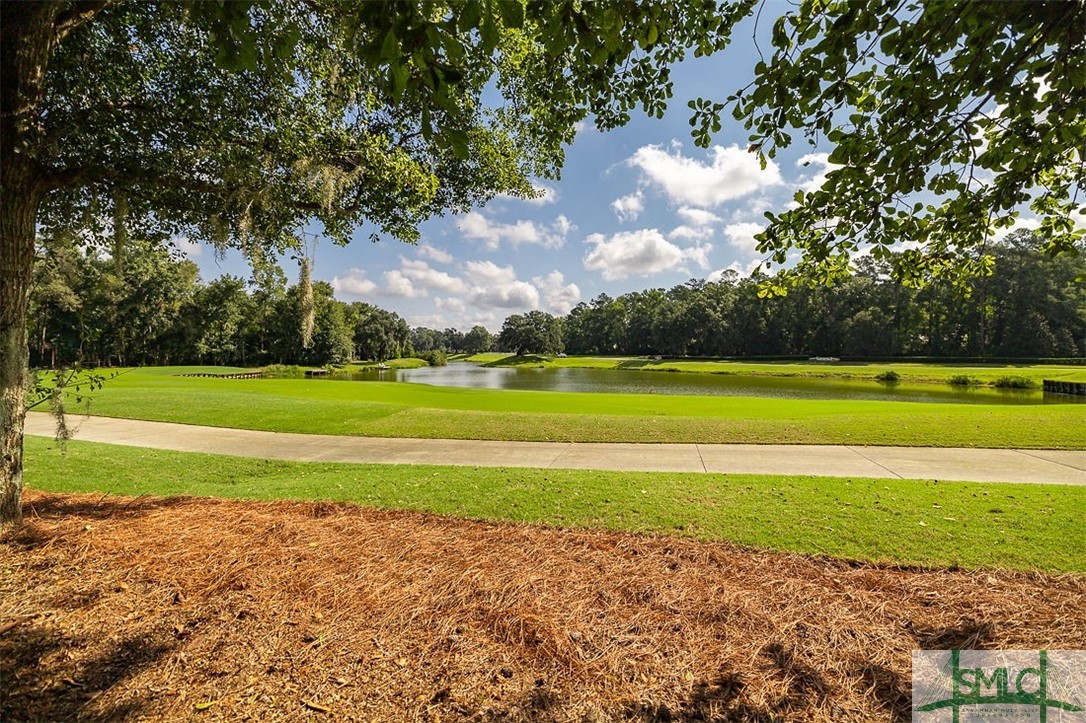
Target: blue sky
[638,207]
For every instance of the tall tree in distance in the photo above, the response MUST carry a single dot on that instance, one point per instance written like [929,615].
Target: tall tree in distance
[378,334]
[535,332]
[219,313]
[478,340]
[236,123]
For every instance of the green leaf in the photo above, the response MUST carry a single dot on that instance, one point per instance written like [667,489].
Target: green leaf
[458,142]
[398,75]
[780,34]
[489,33]
[652,35]
[284,46]
[470,13]
[512,12]
[390,48]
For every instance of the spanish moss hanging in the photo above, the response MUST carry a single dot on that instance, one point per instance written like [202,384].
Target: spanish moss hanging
[305,291]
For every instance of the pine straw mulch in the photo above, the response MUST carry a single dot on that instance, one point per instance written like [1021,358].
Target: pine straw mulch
[181,608]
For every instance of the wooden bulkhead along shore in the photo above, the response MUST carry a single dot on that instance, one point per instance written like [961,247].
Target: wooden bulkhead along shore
[1051,386]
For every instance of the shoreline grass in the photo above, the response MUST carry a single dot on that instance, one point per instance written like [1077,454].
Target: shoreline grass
[400,363]
[909,372]
[906,522]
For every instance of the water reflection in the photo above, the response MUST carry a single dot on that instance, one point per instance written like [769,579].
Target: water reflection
[466,374]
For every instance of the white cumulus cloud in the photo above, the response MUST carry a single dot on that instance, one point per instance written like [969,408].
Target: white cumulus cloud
[396,284]
[493,234]
[691,232]
[699,254]
[821,166]
[628,208]
[450,303]
[698,224]
[637,253]
[498,286]
[730,173]
[698,216]
[190,249]
[516,295]
[483,273]
[433,253]
[430,278]
[741,271]
[354,283]
[559,296]
[741,236]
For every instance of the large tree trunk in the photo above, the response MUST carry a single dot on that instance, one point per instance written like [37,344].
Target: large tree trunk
[27,35]
[16,256]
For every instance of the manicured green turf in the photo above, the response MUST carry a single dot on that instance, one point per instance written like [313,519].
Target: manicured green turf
[396,409]
[898,521]
[909,372]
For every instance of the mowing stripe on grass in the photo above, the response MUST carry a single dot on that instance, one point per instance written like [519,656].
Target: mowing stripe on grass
[396,409]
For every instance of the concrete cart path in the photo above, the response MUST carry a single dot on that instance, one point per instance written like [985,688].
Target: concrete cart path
[974,465]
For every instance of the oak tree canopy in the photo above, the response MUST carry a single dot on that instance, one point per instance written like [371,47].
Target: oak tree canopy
[236,122]
[945,119]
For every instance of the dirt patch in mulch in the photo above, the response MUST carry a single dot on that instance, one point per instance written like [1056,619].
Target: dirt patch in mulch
[180,608]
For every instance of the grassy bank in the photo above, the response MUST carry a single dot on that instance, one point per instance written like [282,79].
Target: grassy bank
[908,372]
[396,409]
[402,363]
[898,521]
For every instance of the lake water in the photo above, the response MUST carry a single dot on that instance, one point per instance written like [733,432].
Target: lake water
[466,374]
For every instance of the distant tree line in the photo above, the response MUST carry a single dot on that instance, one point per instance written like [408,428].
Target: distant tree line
[150,307]
[1031,306]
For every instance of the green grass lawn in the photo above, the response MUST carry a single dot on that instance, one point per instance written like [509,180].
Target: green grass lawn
[396,409]
[896,521]
[909,372]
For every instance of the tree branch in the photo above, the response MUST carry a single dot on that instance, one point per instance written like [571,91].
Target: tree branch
[79,13]
[72,177]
